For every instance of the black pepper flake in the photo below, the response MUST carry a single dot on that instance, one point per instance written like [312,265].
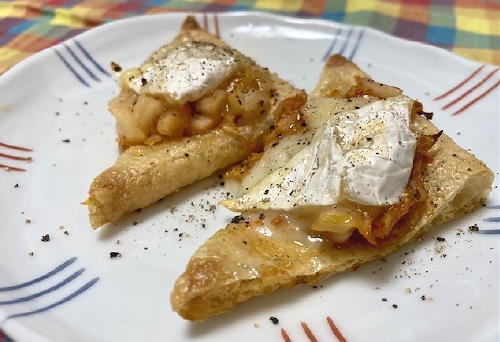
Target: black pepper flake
[384,299]
[116,67]
[440,239]
[237,219]
[356,107]
[135,223]
[274,320]
[266,191]
[46,238]
[66,140]
[473,228]
[144,81]
[114,254]
[17,185]
[422,297]
[395,306]
[186,154]
[303,124]
[66,232]
[244,242]
[180,234]
[261,216]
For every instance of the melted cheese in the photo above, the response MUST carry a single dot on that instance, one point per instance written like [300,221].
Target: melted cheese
[186,73]
[364,155]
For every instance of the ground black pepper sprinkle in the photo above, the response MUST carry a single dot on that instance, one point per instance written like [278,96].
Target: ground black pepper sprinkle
[114,254]
[395,306]
[274,320]
[17,185]
[45,238]
[66,232]
[66,140]
[440,239]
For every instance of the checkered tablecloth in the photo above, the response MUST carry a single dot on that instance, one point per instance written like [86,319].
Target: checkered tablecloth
[470,28]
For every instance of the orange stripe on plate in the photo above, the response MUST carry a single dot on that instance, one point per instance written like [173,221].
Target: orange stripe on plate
[470,90]
[336,332]
[308,332]
[489,90]
[460,84]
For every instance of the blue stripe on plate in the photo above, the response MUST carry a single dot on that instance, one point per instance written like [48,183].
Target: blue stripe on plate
[91,59]
[489,231]
[79,61]
[45,276]
[62,301]
[41,293]
[70,68]
[332,45]
[356,46]
[346,42]
[492,219]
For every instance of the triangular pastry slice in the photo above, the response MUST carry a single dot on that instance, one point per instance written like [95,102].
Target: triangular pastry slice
[194,106]
[269,247]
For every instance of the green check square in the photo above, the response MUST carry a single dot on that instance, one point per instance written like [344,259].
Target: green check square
[384,22]
[472,40]
[442,16]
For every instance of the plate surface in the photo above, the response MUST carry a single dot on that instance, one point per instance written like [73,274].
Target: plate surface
[55,103]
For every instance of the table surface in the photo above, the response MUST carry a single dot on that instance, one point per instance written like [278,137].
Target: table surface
[470,28]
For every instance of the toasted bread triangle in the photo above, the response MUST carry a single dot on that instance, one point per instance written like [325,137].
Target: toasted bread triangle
[240,262]
[143,175]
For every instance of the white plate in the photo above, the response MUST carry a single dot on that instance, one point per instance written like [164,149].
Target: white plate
[94,298]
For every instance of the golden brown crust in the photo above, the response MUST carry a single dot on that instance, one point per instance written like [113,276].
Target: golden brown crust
[145,174]
[225,270]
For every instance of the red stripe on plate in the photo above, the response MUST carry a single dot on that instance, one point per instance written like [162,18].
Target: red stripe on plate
[489,90]
[216,23]
[336,332]
[15,157]
[11,168]
[285,336]
[14,147]
[308,332]
[460,84]
[480,83]
[205,21]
